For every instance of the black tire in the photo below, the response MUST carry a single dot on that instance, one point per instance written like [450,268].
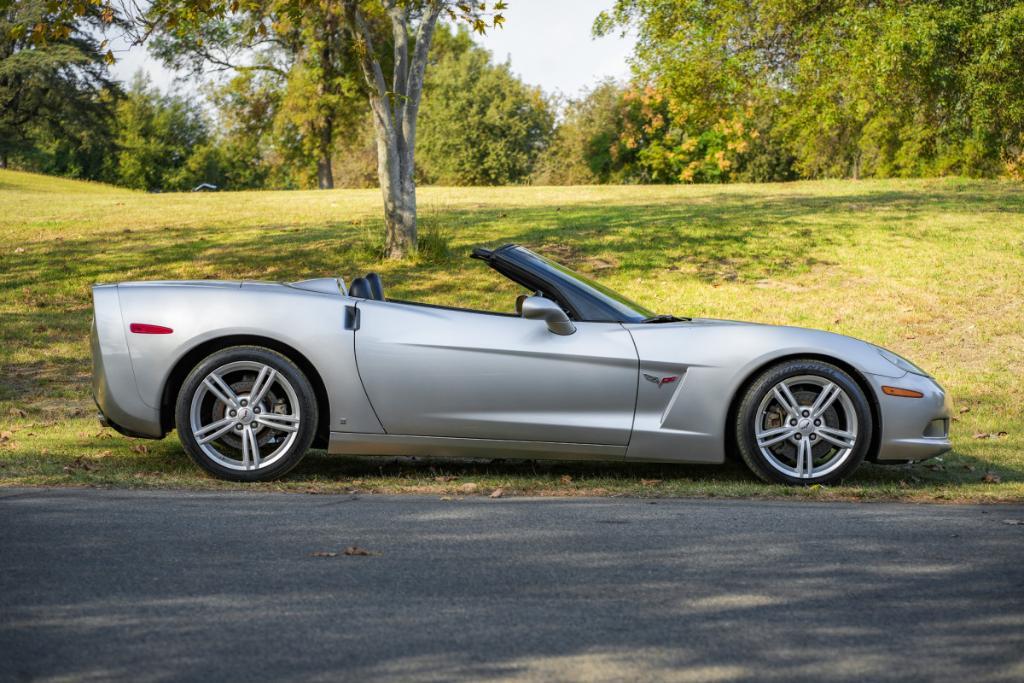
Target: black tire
[844,462]
[290,446]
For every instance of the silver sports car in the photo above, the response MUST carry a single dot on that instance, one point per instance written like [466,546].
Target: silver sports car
[252,374]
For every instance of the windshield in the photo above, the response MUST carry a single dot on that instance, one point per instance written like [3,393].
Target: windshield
[628,311]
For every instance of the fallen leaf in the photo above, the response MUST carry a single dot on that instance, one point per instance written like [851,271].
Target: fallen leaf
[1014,522]
[19,250]
[356,551]
[497,493]
[444,478]
[965,409]
[324,553]
[650,482]
[468,487]
[991,478]
[1001,435]
[139,448]
[6,436]
[981,435]
[566,478]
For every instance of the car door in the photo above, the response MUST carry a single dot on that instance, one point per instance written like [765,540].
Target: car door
[432,371]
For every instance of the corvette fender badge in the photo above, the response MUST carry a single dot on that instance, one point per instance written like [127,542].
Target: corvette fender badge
[661,380]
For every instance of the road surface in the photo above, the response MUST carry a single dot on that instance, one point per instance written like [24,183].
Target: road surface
[149,586]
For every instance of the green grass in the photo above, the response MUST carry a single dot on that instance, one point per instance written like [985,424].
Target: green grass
[933,269]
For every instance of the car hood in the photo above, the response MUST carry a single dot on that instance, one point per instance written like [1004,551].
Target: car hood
[750,339]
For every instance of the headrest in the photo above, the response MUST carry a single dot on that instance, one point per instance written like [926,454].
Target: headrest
[360,289]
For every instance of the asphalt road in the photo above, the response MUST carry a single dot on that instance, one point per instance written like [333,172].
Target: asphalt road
[123,585]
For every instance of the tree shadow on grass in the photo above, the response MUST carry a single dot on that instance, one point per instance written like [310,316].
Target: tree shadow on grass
[728,235]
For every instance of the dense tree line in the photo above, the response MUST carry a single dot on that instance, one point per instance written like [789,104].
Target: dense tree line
[734,90]
[768,89]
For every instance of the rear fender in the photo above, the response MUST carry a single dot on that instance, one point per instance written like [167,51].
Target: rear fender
[311,323]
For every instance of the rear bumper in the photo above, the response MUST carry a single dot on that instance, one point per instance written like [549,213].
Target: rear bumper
[913,428]
[113,381]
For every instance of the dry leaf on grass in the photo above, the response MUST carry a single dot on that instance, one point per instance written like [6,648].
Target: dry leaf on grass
[6,436]
[468,487]
[981,435]
[79,464]
[141,448]
[566,478]
[444,478]
[991,478]
[965,409]
[497,493]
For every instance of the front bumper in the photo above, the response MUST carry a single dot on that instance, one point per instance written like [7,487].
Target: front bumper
[912,428]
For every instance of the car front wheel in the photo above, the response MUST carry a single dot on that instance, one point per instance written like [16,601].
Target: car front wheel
[246,413]
[803,422]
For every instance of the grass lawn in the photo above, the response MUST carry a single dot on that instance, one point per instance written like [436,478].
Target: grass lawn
[933,269]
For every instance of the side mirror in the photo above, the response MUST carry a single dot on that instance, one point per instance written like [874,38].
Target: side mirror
[539,308]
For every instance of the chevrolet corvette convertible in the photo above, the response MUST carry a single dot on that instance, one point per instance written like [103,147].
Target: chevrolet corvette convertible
[252,374]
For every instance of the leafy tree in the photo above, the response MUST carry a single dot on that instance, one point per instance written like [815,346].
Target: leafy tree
[246,107]
[270,44]
[589,144]
[390,41]
[56,98]
[845,87]
[163,141]
[480,124]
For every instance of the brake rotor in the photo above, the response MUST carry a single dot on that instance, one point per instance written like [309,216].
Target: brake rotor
[777,418]
[268,404]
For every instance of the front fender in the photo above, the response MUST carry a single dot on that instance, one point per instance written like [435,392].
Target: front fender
[687,419]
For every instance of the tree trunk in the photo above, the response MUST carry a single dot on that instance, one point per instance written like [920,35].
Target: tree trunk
[399,195]
[324,173]
[394,116]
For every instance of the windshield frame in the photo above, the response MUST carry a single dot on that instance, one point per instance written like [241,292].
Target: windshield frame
[583,299]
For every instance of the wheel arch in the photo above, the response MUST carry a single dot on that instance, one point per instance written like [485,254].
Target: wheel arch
[192,358]
[752,375]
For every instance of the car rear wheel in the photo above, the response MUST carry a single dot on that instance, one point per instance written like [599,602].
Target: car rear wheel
[246,413]
[803,422]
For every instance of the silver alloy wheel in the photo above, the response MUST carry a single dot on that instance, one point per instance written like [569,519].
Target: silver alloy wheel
[242,408]
[806,426]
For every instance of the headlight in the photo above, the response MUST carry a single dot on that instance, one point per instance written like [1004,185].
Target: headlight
[902,363]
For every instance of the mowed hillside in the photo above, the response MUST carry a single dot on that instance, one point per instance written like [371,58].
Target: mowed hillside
[933,269]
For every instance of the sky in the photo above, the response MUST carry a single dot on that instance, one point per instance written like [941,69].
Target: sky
[548,42]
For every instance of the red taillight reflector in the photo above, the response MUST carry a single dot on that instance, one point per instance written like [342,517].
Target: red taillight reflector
[146,328]
[906,393]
